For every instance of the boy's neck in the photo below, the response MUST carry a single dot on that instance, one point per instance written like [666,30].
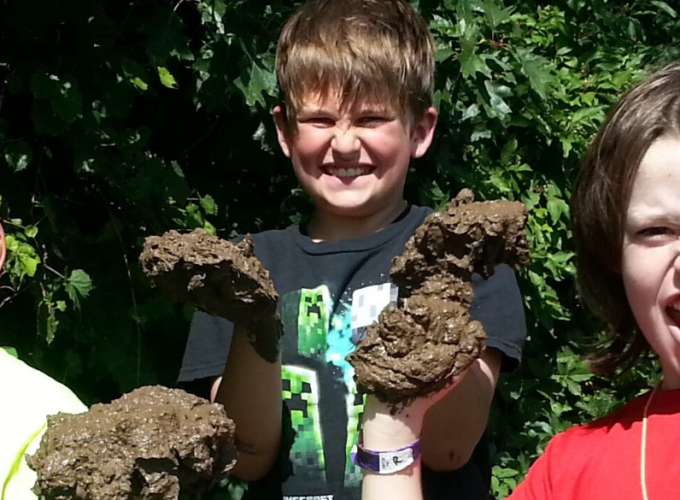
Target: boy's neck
[326,226]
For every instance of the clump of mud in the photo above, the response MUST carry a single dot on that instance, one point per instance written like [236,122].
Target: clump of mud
[148,445]
[218,277]
[417,348]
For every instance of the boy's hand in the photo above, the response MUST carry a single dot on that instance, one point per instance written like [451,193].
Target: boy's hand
[385,427]
[220,278]
[417,351]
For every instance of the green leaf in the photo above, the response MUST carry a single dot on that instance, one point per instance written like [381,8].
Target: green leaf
[29,264]
[495,12]
[537,69]
[665,7]
[256,82]
[465,10]
[166,78]
[443,53]
[501,472]
[472,63]
[31,231]
[11,351]
[139,83]
[78,286]
[508,152]
[177,169]
[208,204]
[496,93]
[470,112]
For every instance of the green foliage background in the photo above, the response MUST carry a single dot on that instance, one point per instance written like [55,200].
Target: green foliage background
[119,120]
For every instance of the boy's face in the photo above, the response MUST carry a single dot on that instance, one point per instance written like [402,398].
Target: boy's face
[651,253]
[353,163]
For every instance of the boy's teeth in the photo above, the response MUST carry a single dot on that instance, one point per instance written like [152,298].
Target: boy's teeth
[350,172]
[676,306]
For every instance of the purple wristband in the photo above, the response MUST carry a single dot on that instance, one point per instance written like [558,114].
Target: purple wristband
[386,462]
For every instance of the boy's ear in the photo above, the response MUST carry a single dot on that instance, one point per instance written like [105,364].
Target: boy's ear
[422,133]
[281,130]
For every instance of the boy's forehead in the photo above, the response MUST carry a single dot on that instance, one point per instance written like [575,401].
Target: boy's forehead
[334,101]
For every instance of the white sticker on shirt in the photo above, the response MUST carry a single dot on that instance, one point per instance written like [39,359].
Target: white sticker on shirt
[368,303]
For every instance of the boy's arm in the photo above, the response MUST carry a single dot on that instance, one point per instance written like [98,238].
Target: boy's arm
[250,391]
[454,425]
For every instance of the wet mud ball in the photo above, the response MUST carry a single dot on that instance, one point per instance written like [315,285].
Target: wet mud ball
[417,348]
[218,277]
[152,443]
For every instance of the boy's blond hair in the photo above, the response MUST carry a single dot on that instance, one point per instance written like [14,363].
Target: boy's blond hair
[375,51]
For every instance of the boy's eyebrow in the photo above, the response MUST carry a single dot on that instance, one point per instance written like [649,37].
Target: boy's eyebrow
[314,111]
[310,112]
[378,110]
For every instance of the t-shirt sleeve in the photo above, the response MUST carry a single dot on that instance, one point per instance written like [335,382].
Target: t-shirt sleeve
[205,355]
[498,306]
[538,484]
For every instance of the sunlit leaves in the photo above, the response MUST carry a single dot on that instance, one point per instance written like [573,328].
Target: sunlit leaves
[166,78]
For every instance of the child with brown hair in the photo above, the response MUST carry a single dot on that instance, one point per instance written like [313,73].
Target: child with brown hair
[625,211]
[356,79]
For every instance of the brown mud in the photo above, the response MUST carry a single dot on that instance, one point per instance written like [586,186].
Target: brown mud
[218,277]
[417,349]
[147,445]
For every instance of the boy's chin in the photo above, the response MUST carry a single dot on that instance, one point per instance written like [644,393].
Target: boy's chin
[346,207]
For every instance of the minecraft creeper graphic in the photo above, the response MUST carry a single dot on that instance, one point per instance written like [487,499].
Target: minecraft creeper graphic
[313,320]
[301,392]
[301,387]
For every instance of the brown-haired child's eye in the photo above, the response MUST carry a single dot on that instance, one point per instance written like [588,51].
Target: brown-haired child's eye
[655,231]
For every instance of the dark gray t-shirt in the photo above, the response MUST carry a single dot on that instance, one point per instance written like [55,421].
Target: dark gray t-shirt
[329,293]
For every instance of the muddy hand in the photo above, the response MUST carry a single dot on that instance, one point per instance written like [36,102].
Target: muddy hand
[220,278]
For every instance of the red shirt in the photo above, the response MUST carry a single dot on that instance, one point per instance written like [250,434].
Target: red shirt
[601,460]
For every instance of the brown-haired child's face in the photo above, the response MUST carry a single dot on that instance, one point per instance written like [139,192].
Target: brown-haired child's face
[353,162]
[651,253]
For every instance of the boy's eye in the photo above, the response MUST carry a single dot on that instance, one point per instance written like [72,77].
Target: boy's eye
[322,121]
[372,120]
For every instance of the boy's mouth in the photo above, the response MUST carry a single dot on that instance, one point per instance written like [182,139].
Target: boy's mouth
[346,173]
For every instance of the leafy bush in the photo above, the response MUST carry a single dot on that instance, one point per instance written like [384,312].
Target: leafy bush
[123,120]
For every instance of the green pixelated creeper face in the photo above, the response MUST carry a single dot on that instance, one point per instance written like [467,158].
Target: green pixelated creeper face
[313,320]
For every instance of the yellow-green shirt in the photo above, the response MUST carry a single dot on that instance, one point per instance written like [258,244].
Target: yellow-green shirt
[27,396]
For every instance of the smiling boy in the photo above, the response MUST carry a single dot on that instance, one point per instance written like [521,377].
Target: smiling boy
[356,78]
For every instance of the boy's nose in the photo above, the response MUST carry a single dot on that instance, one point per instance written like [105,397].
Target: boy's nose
[345,142]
